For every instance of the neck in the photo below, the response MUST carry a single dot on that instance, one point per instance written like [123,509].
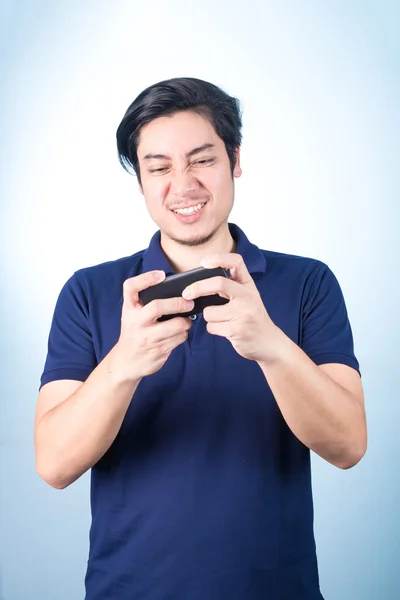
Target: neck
[183,257]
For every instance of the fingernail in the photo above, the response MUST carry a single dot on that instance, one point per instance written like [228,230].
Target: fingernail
[190,304]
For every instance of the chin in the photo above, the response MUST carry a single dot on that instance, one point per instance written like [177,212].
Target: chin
[197,234]
[192,239]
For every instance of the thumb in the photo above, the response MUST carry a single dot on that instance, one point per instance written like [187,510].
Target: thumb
[134,285]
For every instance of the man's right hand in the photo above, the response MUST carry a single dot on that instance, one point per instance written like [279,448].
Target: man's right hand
[98,406]
[144,344]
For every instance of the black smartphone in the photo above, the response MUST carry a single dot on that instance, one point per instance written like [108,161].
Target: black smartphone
[173,286]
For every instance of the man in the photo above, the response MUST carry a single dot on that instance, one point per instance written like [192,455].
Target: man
[198,431]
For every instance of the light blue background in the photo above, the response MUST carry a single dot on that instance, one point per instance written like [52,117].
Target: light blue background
[319,83]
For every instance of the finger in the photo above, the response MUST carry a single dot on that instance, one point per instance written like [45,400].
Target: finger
[170,329]
[167,346]
[213,285]
[218,314]
[134,285]
[233,262]
[177,340]
[220,329]
[165,306]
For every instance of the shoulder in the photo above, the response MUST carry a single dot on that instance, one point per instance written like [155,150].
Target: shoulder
[298,279]
[103,283]
[111,272]
[280,263]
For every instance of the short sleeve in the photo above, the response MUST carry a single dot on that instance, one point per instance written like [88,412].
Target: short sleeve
[70,353]
[326,335]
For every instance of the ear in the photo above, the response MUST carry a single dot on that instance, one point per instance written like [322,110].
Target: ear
[141,189]
[237,171]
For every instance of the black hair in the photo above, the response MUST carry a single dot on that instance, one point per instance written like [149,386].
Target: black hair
[174,95]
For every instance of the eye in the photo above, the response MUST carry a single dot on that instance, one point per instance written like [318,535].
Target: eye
[159,170]
[203,161]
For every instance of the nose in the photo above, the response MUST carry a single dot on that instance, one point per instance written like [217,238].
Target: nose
[182,183]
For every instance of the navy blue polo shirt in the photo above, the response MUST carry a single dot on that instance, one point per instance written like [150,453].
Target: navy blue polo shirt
[205,493]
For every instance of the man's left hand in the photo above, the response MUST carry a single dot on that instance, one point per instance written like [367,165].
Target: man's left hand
[244,321]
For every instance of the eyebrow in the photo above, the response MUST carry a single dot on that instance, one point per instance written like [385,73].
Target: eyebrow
[188,155]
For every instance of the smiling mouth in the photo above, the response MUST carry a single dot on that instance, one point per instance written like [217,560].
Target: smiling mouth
[190,210]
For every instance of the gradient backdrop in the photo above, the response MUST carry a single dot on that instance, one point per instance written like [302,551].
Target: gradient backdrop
[319,84]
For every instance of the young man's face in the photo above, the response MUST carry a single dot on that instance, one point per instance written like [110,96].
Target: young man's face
[183,163]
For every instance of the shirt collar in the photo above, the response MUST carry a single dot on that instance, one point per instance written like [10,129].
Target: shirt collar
[155,259]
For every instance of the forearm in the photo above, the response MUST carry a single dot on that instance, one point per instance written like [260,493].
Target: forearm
[322,414]
[74,435]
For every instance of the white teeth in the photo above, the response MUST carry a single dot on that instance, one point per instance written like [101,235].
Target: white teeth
[189,211]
